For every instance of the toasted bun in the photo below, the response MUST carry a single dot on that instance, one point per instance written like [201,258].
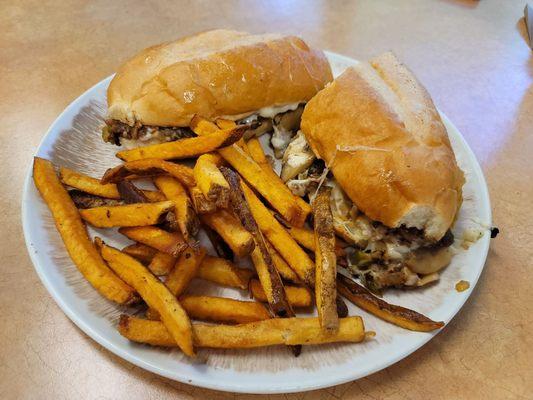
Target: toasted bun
[215,73]
[378,130]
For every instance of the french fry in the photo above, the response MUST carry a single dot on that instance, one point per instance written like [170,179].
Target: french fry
[88,184]
[161,263]
[74,234]
[201,204]
[186,217]
[168,242]
[186,148]
[255,150]
[155,294]
[149,167]
[141,252]
[291,252]
[281,265]
[275,331]
[293,208]
[298,296]
[326,261]
[306,238]
[130,193]
[221,247]
[220,309]
[230,229]
[224,272]
[184,271]
[210,181]
[182,274]
[139,214]
[92,185]
[268,275]
[397,315]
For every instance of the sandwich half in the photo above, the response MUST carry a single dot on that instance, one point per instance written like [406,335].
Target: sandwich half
[260,80]
[375,136]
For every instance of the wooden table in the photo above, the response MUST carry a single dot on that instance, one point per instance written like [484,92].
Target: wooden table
[472,56]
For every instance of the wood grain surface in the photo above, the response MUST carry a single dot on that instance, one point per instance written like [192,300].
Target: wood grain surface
[472,56]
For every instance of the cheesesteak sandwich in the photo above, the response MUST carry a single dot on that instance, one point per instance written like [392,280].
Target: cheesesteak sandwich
[258,80]
[375,137]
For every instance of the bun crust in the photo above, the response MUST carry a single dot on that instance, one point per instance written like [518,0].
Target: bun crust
[215,73]
[378,130]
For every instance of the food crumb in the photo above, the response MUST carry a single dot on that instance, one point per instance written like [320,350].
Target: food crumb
[461,286]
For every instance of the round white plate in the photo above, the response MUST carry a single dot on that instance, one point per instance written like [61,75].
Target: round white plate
[74,141]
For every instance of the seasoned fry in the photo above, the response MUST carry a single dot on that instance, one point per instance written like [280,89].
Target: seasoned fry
[220,309]
[275,331]
[130,193]
[281,265]
[139,214]
[229,228]
[88,184]
[184,271]
[293,208]
[74,234]
[141,252]
[84,200]
[161,264]
[298,296]
[255,150]
[187,219]
[168,242]
[221,247]
[149,167]
[224,272]
[201,204]
[306,238]
[267,272]
[291,252]
[186,148]
[182,274]
[326,261]
[155,294]
[397,315]
[210,181]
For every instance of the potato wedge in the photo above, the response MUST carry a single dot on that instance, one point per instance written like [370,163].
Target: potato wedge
[275,331]
[293,208]
[201,204]
[74,234]
[220,309]
[168,242]
[278,236]
[298,296]
[149,167]
[210,181]
[230,229]
[140,252]
[186,148]
[397,315]
[224,272]
[326,261]
[155,294]
[138,214]
[186,217]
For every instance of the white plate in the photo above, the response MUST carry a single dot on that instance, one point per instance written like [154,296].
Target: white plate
[74,141]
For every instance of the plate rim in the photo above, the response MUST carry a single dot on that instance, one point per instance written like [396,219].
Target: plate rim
[219,385]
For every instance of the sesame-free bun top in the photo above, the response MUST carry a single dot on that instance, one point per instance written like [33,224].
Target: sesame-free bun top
[215,73]
[378,130]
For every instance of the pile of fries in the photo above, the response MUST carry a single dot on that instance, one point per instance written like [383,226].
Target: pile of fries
[233,194]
